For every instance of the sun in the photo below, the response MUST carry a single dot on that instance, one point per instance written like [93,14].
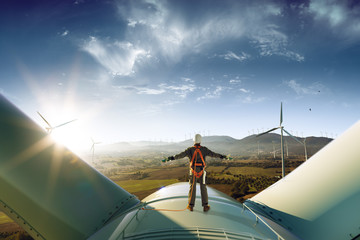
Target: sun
[73,136]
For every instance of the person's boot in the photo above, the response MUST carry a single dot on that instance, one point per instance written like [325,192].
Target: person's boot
[191,208]
[206,208]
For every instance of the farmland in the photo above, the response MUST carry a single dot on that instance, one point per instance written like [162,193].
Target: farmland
[225,176]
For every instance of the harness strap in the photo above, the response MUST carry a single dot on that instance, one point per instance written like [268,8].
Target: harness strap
[196,164]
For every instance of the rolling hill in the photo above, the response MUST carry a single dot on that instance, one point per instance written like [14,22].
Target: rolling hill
[248,146]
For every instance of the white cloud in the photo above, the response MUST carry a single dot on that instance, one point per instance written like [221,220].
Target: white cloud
[333,11]
[181,90]
[141,90]
[231,56]
[250,99]
[244,90]
[168,34]
[65,33]
[313,89]
[211,94]
[150,91]
[187,80]
[133,23]
[173,90]
[271,41]
[117,57]
[172,36]
[234,81]
[157,33]
[342,17]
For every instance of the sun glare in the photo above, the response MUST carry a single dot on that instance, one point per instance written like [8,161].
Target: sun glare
[73,136]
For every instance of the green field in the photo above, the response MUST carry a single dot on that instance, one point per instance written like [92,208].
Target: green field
[215,168]
[255,171]
[134,186]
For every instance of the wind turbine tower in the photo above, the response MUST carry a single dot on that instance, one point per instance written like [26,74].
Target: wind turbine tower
[281,127]
[273,149]
[306,156]
[93,148]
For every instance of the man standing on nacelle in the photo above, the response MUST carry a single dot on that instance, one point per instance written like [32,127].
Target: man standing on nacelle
[197,155]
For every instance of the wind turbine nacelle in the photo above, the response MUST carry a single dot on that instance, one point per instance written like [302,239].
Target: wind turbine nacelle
[163,215]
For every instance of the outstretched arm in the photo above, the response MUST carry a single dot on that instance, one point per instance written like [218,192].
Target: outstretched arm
[178,156]
[210,153]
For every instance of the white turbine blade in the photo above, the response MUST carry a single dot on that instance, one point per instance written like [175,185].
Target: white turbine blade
[79,200]
[50,127]
[273,129]
[293,137]
[336,203]
[65,123]
[281,114]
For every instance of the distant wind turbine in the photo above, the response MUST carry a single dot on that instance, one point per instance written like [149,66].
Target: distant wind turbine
[49,128]
[273,148]
[93,148]
[281,140]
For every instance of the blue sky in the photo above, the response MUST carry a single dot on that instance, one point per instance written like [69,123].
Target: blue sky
[163,70]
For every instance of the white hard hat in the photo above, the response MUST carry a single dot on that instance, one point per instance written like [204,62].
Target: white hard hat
[197,139]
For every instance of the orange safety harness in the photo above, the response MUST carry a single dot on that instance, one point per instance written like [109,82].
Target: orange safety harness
[194,163]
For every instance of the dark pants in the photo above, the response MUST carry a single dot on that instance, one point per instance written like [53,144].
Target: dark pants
[192,191]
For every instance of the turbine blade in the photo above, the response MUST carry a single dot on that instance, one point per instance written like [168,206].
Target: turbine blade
[281,114]
[293,137]
[65,123]
[45,120]
[273,129]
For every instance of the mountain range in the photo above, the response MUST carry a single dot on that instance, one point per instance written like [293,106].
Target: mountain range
[249,146]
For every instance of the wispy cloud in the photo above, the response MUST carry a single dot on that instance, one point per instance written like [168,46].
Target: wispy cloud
[247,96]
[181,90]
[65,33]
[271,41]
[150,91]
[185,79]
[244,90]
[173,37]
[233,56]
[251,99]
[313,89]
[335,12]
[235,81]
[342,17]
[212,93]
[119,58]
